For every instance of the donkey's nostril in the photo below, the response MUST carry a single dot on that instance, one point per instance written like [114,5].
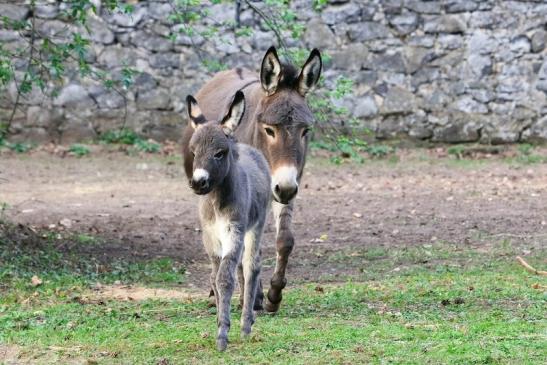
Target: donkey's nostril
[285,194]
[200,183]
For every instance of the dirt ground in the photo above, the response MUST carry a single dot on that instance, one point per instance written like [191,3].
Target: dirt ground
[141,207]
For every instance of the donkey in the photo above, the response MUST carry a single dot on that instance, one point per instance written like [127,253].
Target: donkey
[234,181]
[277,121]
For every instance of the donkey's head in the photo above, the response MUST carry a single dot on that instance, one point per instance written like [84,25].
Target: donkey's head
[284,119]
[212,144]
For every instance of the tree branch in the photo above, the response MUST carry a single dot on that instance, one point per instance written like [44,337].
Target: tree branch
[271,23]
[25,77]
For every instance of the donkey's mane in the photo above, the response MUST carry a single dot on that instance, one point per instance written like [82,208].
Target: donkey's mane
[234,150]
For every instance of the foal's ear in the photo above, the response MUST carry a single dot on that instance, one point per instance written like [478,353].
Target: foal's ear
[270,71]
[310,72]
[194,112]
[235,113]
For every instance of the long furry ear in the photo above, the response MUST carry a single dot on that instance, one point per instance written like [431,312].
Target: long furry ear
[309,76]
[235,113]
[194,112]
[270,71]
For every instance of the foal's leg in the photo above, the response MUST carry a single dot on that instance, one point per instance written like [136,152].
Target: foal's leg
[225,283]
[209,243]
[251,273]
[284,245]
[215,264]
[241,281]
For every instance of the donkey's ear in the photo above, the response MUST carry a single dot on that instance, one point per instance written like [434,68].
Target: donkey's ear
[194,112]
[235,113]
[270,71]
[310,72]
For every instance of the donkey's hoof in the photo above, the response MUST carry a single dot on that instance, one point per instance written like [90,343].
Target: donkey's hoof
[271,307]
[258,306]
[222,343]
[245,333]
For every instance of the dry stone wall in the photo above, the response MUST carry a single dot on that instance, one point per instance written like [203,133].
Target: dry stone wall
[446,71]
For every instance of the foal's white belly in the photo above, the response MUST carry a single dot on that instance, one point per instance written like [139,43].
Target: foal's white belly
[222,240]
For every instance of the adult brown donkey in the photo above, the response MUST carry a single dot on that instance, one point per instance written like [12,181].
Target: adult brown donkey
[276,121]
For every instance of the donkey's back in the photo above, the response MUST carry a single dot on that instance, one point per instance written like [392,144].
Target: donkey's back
[253,164]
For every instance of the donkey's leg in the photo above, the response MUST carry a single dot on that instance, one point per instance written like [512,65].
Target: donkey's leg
[284,245]
[212,299]
[259,295]
[251,273]
[215,264]
[225,283]
[241,281]
[209,243]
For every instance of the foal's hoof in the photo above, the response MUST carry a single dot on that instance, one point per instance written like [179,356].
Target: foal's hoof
[245,333]
[222,343]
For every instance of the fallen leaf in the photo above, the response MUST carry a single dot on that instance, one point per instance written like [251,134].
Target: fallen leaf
[35,281]
[357,215]
[65,222]
[319,289]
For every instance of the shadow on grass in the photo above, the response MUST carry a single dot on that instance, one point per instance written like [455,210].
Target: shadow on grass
[26,252]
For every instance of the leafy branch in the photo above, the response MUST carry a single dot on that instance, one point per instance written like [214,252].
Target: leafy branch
[46,59]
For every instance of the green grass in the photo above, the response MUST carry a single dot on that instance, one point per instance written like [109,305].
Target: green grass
[63,260]
[129,137]
[19,147]
[147,146]
[120,136]
[437,303]
[79,150]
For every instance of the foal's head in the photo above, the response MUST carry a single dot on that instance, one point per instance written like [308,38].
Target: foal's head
[212,144]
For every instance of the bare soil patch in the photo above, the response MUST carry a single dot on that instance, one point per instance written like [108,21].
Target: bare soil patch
[139,293]
[140,208]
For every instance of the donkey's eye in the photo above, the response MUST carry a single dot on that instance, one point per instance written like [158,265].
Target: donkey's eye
[305,132]
[220,154]
[270,132]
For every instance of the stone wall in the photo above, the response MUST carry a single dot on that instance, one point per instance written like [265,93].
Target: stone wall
[445,71]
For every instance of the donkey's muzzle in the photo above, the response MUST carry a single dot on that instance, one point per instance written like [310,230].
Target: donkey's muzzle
[284,194]
[200,185]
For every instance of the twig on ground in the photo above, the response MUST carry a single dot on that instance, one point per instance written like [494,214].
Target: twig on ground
[530,268]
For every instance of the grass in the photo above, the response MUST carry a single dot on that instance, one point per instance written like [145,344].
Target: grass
[79,150]
[63,259]
[18,147]
[129,137]
[436,303]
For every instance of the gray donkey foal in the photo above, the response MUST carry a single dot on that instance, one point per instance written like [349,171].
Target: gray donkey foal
[234,181]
